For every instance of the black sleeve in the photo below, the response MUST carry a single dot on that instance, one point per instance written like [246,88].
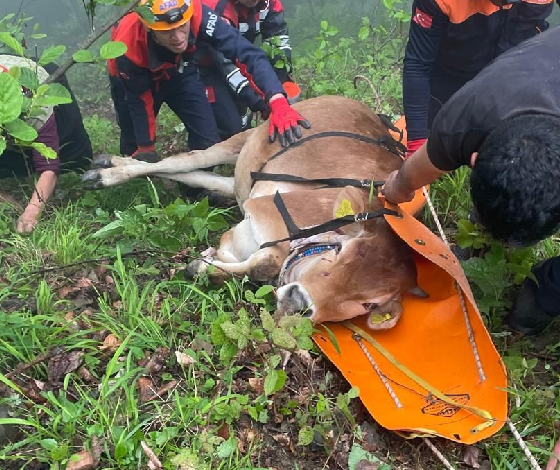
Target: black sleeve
[235,47]
[459,128]
[274,30]
[427,27]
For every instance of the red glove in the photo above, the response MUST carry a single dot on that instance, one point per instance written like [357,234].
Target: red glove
[412,146]
[146,153]
[284,122]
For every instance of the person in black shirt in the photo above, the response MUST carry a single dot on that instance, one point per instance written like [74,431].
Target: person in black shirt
[505,124]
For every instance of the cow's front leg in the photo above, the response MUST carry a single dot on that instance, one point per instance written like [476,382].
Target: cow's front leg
[264,266]
[224,152]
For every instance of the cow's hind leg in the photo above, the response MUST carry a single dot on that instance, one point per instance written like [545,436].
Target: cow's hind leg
[224,152]
[264,265]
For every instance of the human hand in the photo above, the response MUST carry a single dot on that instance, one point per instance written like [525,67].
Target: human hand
[28,220]
[554,461]
[285,122]
[393,190]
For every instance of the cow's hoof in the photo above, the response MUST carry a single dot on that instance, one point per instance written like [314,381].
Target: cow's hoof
[102,161]
[196,267]
[92,179]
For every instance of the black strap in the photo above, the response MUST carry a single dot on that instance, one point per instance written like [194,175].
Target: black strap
[334,224]
[385,141]
[334,182]
[221,7]
[388,123]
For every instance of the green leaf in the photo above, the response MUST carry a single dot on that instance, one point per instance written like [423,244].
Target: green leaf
[283,339]
[54,95]
[332,337]
[227,448]
[120,451]
[2,145]
[110,229]
[20,130]
[217,335]
[28,78]
[264,290]
[305,436]
[232,331]
[363,33]
[228,352]
[44,150]
[354,392]
[48,444]
[38,36]
[304,342]
[82,56]
[267,320]
[289,321]
[11,42]
[324,25]
[304,327]
[274,381]
[50,54]
[112,50]
[357,455]
[11,98]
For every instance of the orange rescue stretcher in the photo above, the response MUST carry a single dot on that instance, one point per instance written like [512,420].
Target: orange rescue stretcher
[437,372]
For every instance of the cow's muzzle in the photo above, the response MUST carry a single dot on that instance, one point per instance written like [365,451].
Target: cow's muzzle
[293,298]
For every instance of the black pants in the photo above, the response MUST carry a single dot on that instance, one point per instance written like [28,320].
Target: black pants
[229,112]
[184,94]
[548,293]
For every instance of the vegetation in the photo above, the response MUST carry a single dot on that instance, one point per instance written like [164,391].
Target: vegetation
[109,353]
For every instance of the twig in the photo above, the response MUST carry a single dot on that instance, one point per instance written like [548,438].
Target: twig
[40,358]
[94,36]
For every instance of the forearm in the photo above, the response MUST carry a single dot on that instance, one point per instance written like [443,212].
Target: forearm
[43,189]
[417,171]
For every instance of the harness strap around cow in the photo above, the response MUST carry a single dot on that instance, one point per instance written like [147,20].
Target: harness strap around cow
[296,233]
[333,182]
[385,141]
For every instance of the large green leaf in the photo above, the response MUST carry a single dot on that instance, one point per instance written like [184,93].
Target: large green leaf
[112,50]
[83,55]
[28,78]
[20,130]
[44,150]
[11,42]
[10,98]
[50,54]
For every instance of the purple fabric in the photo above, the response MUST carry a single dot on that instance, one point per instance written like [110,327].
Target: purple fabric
[48,135]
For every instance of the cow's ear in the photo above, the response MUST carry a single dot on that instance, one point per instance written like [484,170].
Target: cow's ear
[350,201]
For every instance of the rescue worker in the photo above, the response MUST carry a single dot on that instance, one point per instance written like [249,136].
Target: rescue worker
[227,87]
[61,129]
[157,68]
[450,42]
[504,124]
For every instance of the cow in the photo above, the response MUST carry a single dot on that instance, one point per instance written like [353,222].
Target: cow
[330,274]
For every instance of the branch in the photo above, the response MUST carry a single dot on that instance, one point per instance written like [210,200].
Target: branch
[94,36]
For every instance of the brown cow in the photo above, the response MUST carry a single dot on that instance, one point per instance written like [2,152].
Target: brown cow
[361,268]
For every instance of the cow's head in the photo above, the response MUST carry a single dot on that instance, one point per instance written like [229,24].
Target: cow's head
[363,268]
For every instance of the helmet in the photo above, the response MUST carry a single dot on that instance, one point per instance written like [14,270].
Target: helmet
[169,14]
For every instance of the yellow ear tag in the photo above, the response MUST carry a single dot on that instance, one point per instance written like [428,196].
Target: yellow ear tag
[344,209]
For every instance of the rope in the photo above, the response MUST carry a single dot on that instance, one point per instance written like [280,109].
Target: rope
[532,461]
[438,454]
[356,337]
[458,289]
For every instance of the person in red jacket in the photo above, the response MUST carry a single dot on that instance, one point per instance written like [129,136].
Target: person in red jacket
[157,67]
[450,42]
[229,90]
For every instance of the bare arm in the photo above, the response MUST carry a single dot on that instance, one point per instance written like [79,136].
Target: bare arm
[416,171]
[43,191]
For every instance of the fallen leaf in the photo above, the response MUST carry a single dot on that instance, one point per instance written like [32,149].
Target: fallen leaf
[86,375]
[223,432]
[367,465]
[257,384]
[63,364]
[147,389]
[184,359]
[83,460]
[154,462]
[471,455]
[110,344]
[84,283]
[109,280]
[157,360]
[65,291]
